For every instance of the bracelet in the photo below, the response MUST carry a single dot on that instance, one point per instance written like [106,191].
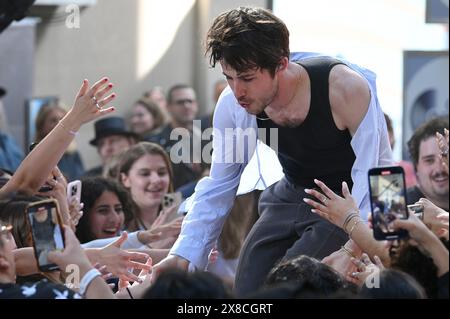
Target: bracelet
[353,228]
[129,292]
[87,279]
[74,133]
[348,220]
[348,251]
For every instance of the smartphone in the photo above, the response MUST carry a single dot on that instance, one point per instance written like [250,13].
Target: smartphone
[74,191]
[388,201]
[417,209]
[46,231]
[172,199]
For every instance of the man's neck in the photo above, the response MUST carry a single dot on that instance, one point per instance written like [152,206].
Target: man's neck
[289,84]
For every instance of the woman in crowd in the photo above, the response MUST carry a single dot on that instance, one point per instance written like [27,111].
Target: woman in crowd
[146,118]
[106,203]
[146,172]
[48,117]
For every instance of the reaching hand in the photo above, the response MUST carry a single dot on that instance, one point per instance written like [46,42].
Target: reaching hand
[365,268]
[171,261]
[332,207]
[118,261]
[443,147]
[340,261]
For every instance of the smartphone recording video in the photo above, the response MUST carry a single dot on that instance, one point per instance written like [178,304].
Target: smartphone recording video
[388,201]
[46,231]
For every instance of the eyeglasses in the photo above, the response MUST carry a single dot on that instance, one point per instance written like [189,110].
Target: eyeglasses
[184,101]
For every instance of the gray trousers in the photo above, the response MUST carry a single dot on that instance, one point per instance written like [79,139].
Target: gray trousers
[285,229]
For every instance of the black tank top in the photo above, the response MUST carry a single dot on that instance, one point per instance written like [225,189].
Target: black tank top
[316,148]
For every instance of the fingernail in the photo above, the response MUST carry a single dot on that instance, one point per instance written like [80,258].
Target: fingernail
[105,79]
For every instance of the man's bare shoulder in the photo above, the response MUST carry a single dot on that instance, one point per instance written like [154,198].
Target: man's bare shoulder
[349,96]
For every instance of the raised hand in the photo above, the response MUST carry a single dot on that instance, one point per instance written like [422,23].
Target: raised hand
[119,261]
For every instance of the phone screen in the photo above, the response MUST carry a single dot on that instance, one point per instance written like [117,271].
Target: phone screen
[46,232]
[388,201]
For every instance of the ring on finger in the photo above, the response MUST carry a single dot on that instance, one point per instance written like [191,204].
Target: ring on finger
[96,103]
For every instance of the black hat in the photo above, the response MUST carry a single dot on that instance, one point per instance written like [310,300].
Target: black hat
[111,126]
[2,91]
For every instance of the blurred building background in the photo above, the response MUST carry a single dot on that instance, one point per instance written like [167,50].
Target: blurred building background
[139,44]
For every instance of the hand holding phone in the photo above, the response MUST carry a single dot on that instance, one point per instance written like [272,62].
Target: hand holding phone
[388,201]
[417,209]
[172,199]
[74,191]
[46,231]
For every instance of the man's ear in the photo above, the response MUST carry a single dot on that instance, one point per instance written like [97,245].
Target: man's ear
[283,64]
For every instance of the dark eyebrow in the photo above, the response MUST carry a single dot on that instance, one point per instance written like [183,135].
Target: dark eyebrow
[430,156]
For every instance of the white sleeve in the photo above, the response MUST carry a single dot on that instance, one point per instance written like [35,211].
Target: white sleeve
[132,242]
[371,146]
[214,196]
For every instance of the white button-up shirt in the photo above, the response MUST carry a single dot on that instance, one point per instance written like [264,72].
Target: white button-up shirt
[214,195]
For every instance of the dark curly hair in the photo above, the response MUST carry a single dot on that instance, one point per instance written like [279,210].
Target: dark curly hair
[247,38]
[91,189]
[315,277]
[421,267]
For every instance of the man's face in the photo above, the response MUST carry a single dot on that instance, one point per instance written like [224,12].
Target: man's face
[112,145]
[183,106]
[431,177]
[254,89]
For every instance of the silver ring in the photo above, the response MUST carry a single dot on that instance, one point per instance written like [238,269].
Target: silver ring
[444,152]
[324,201]
[96,103]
